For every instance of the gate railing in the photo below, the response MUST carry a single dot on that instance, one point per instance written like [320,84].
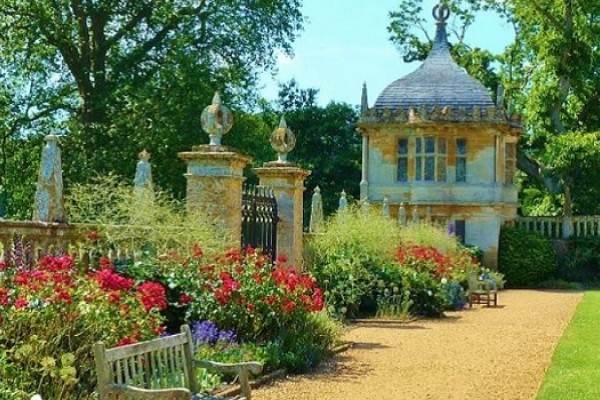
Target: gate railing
[259,219]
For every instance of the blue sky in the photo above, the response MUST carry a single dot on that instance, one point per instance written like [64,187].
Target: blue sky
[345,43]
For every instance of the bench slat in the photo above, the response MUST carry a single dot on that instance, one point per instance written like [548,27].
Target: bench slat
[145,347]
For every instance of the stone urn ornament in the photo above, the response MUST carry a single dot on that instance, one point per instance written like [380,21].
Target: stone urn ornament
[283,141]
[216,120]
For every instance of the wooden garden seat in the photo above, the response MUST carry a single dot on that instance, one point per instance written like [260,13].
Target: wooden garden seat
[481,291]
[160,369]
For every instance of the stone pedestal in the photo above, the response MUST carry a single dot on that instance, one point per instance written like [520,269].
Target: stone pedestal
[214,186]
[287,182]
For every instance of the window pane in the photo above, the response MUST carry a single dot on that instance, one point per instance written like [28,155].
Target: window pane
[403,146]
[441,169]
[419,168]
[461,146]
[510,173]
[402,169]
[419,146]
[461,170]
[430,144]
[510,150]
[429,168]
[442,146]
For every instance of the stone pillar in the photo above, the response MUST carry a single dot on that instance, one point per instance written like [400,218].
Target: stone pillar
[287,182]
[214,186]
[364,184]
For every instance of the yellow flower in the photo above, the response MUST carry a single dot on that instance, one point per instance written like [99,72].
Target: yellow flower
[67,359]
[47,363]
[68,375]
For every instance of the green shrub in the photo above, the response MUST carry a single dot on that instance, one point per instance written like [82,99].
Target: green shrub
[525,258]
[560,284]
[400,288]
[582,260]
[348,259]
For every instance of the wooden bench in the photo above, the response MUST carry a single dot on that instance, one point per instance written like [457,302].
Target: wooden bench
[481,291]
[160,369]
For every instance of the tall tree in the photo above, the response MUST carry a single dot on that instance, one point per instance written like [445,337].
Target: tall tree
[119,75]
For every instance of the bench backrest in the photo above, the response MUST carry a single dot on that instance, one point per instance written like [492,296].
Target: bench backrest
[160,363]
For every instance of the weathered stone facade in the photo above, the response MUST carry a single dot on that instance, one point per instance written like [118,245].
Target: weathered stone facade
[435,140]
[214,186]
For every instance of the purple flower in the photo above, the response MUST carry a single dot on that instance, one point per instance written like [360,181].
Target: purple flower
[227,336]
[207,332]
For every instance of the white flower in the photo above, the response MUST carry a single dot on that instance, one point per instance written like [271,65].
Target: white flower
[430,293]
[36,397]
[444,281]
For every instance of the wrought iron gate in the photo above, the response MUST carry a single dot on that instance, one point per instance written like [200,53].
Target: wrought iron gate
[259,219]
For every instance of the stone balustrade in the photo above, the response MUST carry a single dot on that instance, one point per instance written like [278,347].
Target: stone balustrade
[40,238]
[553,227]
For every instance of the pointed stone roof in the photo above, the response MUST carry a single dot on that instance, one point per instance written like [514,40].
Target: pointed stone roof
[438,82]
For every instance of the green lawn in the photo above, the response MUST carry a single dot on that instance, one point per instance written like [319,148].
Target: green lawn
[575,370]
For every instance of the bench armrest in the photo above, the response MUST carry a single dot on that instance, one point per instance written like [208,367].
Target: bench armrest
[241,369]
[235,368]
[134,393]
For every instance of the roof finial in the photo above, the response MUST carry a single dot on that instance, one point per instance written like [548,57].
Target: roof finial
[441,13]
[364,102]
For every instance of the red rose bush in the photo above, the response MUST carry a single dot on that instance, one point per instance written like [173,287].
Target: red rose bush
[52,313]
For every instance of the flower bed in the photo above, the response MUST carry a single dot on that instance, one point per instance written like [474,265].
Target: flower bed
[57,311]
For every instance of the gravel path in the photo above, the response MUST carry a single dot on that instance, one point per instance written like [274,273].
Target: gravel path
[495,353]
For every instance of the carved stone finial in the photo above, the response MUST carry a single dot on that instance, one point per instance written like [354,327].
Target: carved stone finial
[402,214]
[48,206]
[283,141]
[216,120]
[144,155]
[343,202]
[365,205]
[441,12]
[143,172]
[364,101]
[416,218]
[413,115]
[385,209]
[316,211]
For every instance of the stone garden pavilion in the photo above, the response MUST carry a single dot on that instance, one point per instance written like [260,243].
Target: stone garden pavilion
[436,147]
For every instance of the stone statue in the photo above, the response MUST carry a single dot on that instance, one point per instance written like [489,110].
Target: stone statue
[316,211]
[415,215]
[385,209]
[143,172]
[343,203]
[402,214]
[48,206]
